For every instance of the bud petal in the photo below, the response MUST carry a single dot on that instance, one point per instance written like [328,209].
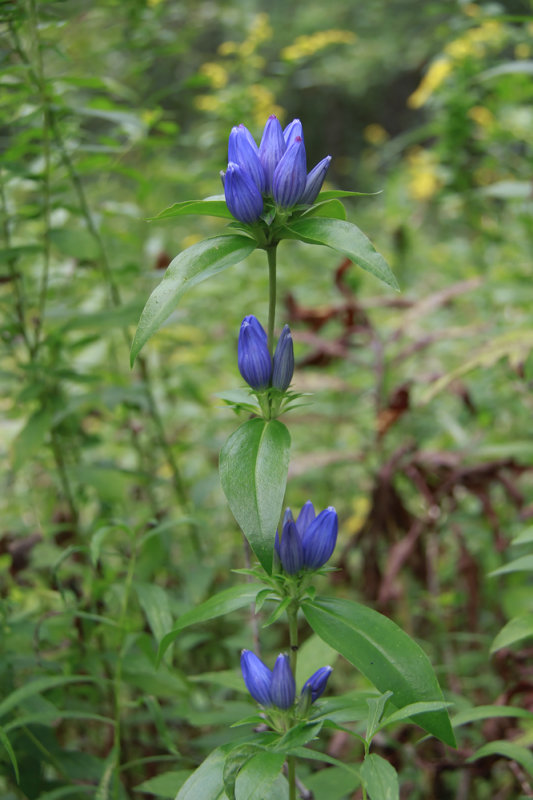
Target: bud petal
[283,363]
[271,149]
[314,181]
[242,150]
[305,517]
[293,130]
[257,677]
[255,364]
[317,682]
[243,198]
[320,538]
[282,686]
[289,178]
[291,552]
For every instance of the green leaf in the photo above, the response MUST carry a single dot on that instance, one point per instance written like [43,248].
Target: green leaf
[208,207]
[334,783]
[155,603]
[345,238]
[193,265]
[380,778]
[216,606]
[515,630]
[31,438]
[333,209]
[253,471]
[526,537]
[488,712]
[376,706]
[522,564]
[206,781]
[297,736]
[38,686]
[257,776]
[165,785]
[11,753]
[515,752]
[411,710]
[329,194]
[384,654]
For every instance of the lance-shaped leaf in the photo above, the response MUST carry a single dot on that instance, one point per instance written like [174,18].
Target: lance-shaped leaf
[384,654]
[253,472]
[198,262]
[210,207]
[345,238]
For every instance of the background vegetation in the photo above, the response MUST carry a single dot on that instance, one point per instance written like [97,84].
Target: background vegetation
[112,518]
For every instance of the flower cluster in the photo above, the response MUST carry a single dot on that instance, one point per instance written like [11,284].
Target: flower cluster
[309,542]
[256,366]
[277,169]
[277,687]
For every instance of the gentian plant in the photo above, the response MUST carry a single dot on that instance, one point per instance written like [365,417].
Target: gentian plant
[270,195]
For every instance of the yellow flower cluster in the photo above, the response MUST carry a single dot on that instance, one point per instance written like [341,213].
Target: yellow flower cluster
[472,44]
[263,104]
[215,73]
[260,31]
[481,116]
[375,134]
[424,179]
[306,46]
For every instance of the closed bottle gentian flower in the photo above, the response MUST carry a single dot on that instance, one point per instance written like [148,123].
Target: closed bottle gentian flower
[314,181]
[317,683]
[257,677]
[243,198]
[271,149]
[242,150]
[282,685]
[320,538]
[309,542]
[254,361]
[291,552]
[288,182]
[283,361]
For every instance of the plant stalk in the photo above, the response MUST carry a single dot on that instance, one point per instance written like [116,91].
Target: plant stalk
[271,255]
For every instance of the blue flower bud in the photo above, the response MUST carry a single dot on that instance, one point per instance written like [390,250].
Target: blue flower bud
[314,181]
[283,362]
[320,538]
[242,150]
[282,685]
[305,517]
[257,677]
[255,364]
[271,149]
[289,178]
[293,130]
[317,682]
[291,552]
[243,198]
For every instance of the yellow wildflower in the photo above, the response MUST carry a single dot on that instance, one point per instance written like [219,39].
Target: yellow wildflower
[424,179]
[215,73]
[228,48]
[522,50]
[375,134]
[306,46]
[435,76]
[207,102]
[481,115]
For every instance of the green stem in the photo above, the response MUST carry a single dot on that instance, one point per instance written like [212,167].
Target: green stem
[292,614]
[271,255]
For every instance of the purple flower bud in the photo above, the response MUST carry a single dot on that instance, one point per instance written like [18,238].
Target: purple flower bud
[271,149]
[255,364]
[305,517]
[317,682]
[291,552]
[243,198]
[314,181]
[293,130]
[289,178]
[257,677]
[283,362]
[320,538]
[282,685]
[242,150]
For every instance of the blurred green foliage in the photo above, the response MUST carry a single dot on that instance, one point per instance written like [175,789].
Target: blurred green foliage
[113,521]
